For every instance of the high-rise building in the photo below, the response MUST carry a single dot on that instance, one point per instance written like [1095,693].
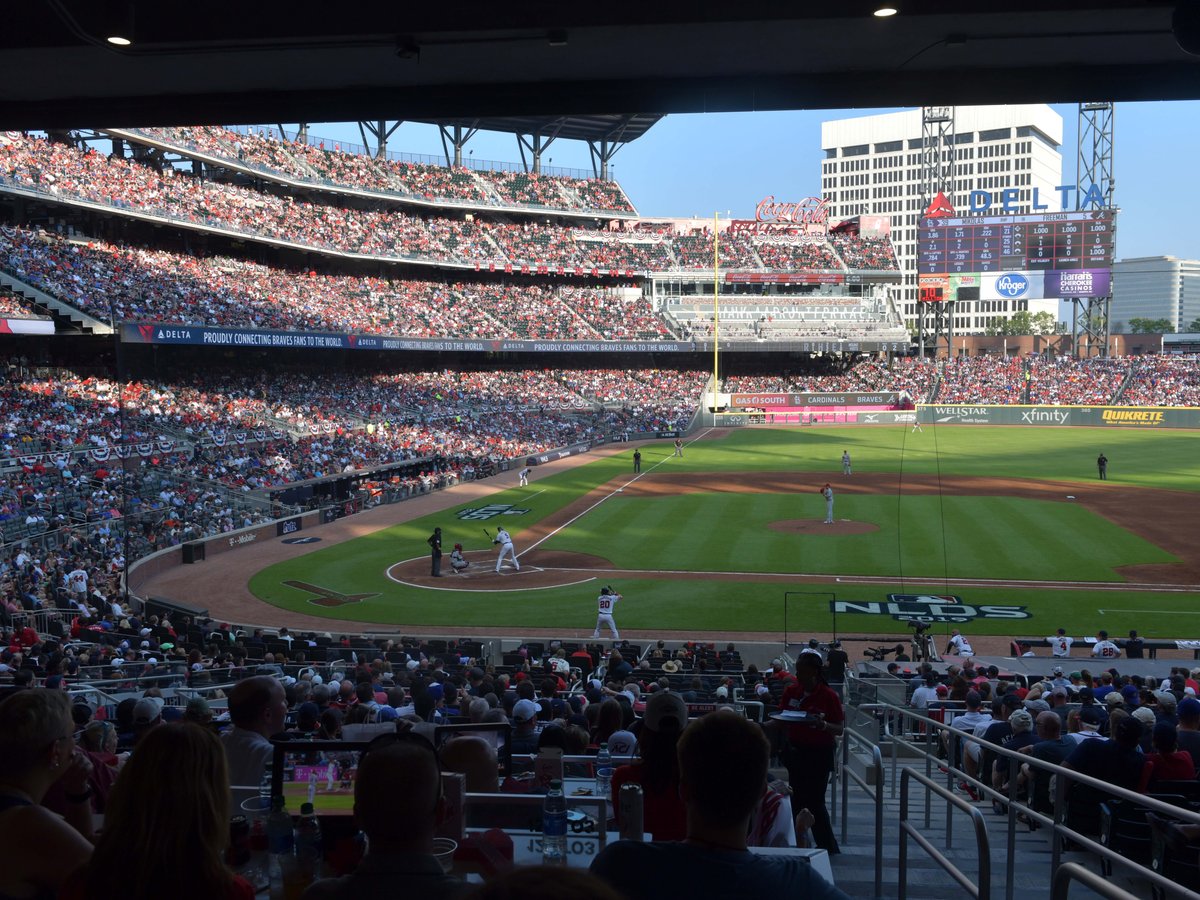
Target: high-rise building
[872,166]
[1156,287]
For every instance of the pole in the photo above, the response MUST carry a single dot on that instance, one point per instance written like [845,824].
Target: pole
[716,310]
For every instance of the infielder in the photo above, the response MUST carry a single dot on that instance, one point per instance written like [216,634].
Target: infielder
[678,447]
[524,477]
[605,604]
[457,562]
[845,462]
[827,493]
[506,547]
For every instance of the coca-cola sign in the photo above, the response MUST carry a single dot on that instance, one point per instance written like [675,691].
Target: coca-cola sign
[810,215]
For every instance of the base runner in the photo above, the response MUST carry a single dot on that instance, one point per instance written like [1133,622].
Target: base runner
[605,604]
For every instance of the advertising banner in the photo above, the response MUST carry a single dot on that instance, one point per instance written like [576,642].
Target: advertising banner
[149,333]
[1090,416]
[796,400]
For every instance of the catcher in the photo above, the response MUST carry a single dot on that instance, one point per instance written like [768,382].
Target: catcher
[457,563]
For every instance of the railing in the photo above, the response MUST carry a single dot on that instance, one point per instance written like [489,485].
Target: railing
[1068,872]
[876,796]
[894,719]
[981,890]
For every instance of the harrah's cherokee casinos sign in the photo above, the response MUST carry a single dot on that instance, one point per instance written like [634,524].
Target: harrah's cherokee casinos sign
[809,217]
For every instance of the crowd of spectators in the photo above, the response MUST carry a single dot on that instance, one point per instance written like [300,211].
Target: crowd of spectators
[1163,381]
[859,252]
[1153,380]
[822,374]
[15,307]
[982,379]
[61,170]
[328,162]
[138,284]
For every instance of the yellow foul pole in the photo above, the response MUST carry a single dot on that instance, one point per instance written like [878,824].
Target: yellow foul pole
[716,311]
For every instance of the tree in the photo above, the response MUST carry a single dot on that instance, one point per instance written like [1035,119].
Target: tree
[1023,322]
[1150,326]
[1193,327]
[1117,328]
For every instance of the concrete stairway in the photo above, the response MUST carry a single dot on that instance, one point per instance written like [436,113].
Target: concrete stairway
[854,867]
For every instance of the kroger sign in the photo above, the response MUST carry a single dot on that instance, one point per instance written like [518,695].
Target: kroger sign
[1012,284]
[1088,196]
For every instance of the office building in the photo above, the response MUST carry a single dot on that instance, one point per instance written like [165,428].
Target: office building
[872,166]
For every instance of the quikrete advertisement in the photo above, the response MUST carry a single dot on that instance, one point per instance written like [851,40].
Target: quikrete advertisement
[1055,416]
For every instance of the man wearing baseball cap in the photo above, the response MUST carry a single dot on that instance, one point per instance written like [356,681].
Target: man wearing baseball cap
[457,562]
[808,750]
[1189,728]
[525,731]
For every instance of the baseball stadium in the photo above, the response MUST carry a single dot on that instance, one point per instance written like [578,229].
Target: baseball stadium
[334,422]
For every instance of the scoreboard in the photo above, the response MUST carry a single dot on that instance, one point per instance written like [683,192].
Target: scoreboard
[1067,254]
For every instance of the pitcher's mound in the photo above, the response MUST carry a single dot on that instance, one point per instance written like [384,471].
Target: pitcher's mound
[818,526]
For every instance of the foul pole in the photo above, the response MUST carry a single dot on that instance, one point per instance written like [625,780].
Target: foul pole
[716,311]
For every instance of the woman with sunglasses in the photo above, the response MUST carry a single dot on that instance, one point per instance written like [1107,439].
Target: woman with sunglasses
[38,849]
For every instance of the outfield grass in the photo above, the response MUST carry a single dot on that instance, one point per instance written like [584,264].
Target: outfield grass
[982,537]
[919,535]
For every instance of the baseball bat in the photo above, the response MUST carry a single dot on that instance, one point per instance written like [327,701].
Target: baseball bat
[488,533]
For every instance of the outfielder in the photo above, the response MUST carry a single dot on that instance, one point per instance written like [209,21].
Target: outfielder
[506,547]
[678,447]
[457,561]
[605,604]
[845,462]
[827,493]
[524,476]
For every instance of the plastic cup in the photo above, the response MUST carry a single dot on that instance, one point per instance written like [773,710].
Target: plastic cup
[444,850]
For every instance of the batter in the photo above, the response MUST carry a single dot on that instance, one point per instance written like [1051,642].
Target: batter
[506,548]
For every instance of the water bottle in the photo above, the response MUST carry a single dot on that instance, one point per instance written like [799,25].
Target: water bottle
[554,826]
[279,846]
[307,838]
[604,772]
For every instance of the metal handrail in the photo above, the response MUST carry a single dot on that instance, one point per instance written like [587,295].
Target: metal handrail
[876,795]
[1059,829]
[1068,872]
[982,890]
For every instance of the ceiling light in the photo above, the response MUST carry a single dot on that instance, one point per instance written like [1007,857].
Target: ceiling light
[118,40]
[885,11]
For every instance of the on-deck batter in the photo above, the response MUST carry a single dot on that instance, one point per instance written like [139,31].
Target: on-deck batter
[605,604]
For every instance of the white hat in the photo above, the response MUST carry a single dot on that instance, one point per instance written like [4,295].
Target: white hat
[146,710]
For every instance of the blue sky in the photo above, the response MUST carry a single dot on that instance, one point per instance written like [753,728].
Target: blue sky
[698,164]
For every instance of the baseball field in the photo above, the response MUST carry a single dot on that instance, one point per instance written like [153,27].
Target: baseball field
[1012,523]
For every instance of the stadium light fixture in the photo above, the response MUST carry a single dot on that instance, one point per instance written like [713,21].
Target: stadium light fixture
[118,23]
[885,11]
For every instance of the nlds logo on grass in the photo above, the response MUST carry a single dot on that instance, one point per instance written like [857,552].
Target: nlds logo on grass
[488,512]
[928,608]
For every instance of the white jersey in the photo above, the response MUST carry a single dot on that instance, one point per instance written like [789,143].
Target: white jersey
[1106,650]
[960,646]
[502,537]
[1060,645]
[77,581]
[525,472]
[606,603]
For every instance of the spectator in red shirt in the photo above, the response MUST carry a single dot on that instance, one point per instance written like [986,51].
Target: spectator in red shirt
[1168,762]
[809,748]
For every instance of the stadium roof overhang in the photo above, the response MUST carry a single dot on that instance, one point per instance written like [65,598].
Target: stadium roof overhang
[572,128]
[309,60]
